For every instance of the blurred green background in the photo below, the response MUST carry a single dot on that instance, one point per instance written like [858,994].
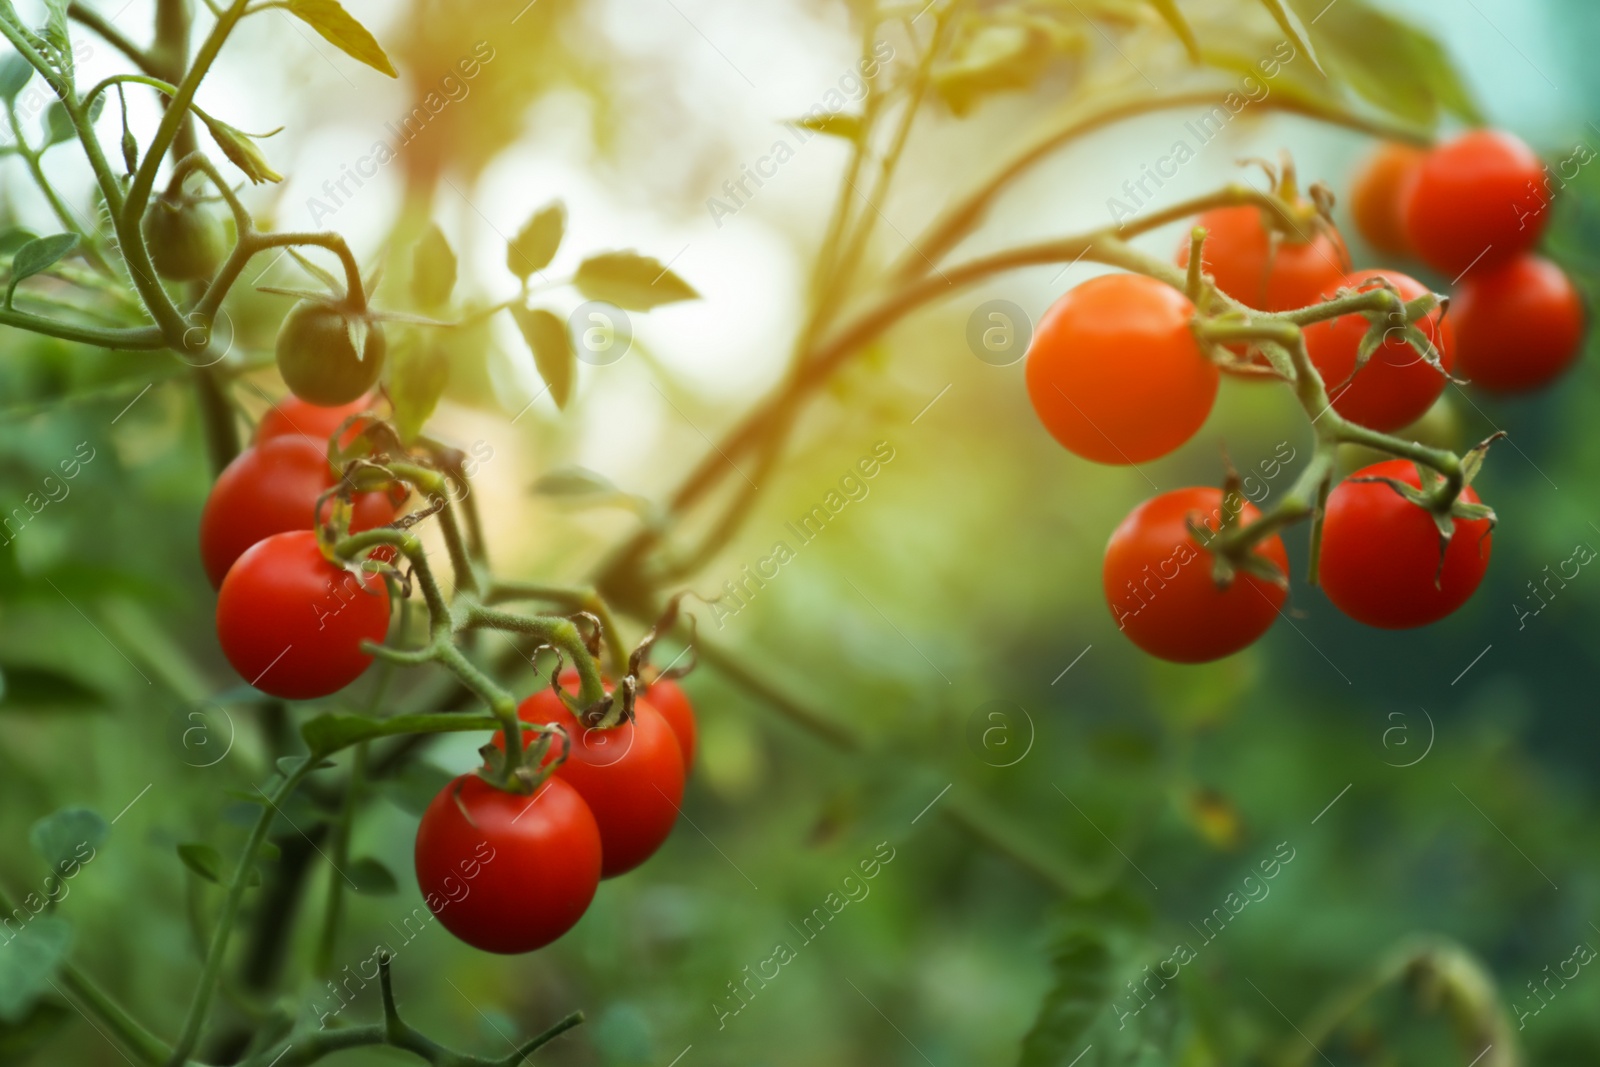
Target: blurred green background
[1457,760]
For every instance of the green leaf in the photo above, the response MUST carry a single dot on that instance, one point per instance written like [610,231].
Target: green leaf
[371,878]
[847,127]
[631,281]
[552,350]
[328,733]
[203,860]
[433,269]
[1290,23]
[417,379]
[60,837]
[15,74]
[29,961]
[38,256]
[15,238]
[1080,988]
[536,244]
[1389,62]
[574,481]
[1180,26]
[340,29]
[28,686]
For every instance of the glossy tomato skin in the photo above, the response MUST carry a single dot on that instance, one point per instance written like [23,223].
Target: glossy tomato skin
[291,417]
[1115,373]
[1476,201]
[1396,386]
[518,873]
[668,697]
[1380,552]
[1157,581]
[1519,325]
[1240,258]
[631,775]
[270,489]
[291,623]
[1376,193]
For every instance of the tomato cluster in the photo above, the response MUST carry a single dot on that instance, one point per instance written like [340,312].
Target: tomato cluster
[610,802]
[290,620]
[1119,373]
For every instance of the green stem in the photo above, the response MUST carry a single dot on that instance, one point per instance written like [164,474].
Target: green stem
[195,1019]
[333,909]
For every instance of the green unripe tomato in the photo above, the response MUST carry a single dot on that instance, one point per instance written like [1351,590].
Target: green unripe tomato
[187,242]
[318,360]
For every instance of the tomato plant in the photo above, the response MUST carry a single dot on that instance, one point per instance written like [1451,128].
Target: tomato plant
[1384,559]
[1159,579]
[1519,324]
[505,872]
[1114,372]
[269,489]
[187,240]
[329,355]
[292,623]
[1397,383]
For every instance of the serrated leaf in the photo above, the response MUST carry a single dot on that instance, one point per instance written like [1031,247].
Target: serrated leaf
[340,29]
[847,127]
[29,961]
[1290,23]
[370,878]
[202,860]
[536,244]
[553,354]
[37,256]
[433,269]
[328,733]
[418,377]
[1180,26]
[60,837]
[15,74]
[631,281]
[574,481]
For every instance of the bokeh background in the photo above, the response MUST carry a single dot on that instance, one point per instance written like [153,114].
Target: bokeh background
[1435,783]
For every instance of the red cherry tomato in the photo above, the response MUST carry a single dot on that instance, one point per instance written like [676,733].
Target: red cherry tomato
[1376,192]
[1519,325]
[668,697]
[505,872]
[631,775]
[1380,552]
[292,416]
[1240,258]
[1115,373]
[291,623]
[1396,386]
[269,489]
[1158,583]
[1476,201]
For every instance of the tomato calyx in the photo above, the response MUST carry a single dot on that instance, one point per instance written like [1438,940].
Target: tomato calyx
[1231,543]
[1402,318]
[1441,496]
[525,773]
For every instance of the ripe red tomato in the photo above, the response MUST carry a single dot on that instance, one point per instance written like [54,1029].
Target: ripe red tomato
[292,623]
[505,872]
[668,697]
[292,416]
[1115,373]
[1476,201]
[1158,584]
[631,775]
[1396,386]
[1375,196]
[271,488]
[1380,552]
[1241,260]
[1520,324]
